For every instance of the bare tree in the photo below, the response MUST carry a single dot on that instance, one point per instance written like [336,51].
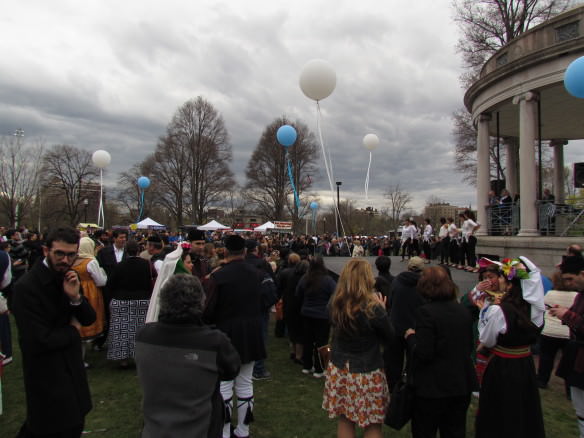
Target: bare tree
[171,172]
[20,166]
[69,172]
[486,26]
[268,184]
[398,202]
[197,126]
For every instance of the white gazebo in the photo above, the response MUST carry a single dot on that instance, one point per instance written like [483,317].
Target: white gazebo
[213,226]
[265,227]
[147,223]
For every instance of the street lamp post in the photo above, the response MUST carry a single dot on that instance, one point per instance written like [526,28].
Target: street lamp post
[324,225]
[339,183]
[85,204]
[19,133]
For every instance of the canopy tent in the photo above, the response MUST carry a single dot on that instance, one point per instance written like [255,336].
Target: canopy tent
[84,225]
[148,223]
[213,226]
[265,227]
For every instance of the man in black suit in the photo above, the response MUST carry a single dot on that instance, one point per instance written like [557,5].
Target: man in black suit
[49,310]
[108,257]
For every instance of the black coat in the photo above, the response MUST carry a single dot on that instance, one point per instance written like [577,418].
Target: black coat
[442,349]
[234,307]
[131,279]
[107,259]
[57,392]
[403,301]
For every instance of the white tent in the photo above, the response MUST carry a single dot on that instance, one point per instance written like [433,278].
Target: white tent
[265,227]
[144,224]
[213,226]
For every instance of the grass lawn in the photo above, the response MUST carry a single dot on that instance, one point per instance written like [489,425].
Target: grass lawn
[286,406]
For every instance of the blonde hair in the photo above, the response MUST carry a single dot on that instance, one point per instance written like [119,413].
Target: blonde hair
[354,294]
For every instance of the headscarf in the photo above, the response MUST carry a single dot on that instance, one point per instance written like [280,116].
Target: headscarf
[86,248]
[181,268]
[167,270]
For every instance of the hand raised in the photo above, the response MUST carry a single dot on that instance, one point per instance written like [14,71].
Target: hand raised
[71,285]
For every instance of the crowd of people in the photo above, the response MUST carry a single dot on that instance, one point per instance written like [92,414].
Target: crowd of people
[191,313]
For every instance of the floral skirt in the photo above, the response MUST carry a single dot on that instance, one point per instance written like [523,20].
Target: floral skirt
[360,397]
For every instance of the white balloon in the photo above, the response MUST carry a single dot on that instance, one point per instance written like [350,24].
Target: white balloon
[318,79]
[101,158]
[371,141]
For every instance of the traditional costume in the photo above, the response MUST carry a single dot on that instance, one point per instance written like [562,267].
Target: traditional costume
[509,403]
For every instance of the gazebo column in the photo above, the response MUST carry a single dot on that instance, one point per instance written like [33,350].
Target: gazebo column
[483,174]
[527,169]
[511,168]
[559,191]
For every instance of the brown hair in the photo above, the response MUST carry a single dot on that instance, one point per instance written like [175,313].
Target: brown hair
[436,285]
[293,259]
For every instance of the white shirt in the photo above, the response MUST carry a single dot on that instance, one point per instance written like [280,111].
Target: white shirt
[97,273]
[452,230]
[427,233]
[119,254]
[443,232]
[408,232]
[468,229]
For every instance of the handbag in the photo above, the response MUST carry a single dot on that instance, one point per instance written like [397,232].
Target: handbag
[324,355]
[400,408]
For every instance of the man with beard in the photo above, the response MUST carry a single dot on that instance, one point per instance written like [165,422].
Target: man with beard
[201,266]
[49,310]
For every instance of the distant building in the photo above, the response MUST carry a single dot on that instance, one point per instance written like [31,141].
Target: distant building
[443,209]
[246,219]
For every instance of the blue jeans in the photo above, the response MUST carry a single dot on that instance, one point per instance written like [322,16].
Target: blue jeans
[260,365]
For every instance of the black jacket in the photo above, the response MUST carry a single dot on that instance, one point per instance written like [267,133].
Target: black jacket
[442,349]
[233,305]
[57,392]
[131,279]
[404,300]
[360,348]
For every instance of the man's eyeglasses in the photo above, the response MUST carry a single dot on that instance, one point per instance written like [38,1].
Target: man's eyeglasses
[62,254]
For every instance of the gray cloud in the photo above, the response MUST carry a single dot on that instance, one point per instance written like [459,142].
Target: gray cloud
[109,75]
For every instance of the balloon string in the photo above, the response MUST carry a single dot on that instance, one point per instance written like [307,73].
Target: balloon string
[327,165]
[291,177]
[314,221]
[100,214]
[141,202]
[367,178]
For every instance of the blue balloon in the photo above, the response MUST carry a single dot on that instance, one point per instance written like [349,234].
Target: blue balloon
[314,205]
[143,182]
[574,78]
[286,135]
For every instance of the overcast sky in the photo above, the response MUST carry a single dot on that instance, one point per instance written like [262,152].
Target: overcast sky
[110,74]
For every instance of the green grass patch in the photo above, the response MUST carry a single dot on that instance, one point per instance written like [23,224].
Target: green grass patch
[286,406]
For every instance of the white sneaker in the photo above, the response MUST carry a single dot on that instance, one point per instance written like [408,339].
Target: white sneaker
[306,371]
[318,375]
[6,361]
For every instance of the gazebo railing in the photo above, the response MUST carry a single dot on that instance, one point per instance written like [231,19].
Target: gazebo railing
[503,219]
[553,219]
